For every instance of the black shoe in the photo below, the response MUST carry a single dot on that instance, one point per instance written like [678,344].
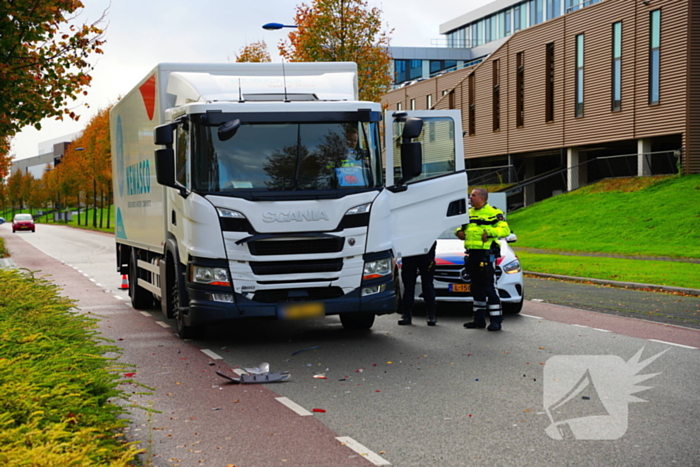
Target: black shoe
[474,325]
[405,321]
[494,327]
[432,321]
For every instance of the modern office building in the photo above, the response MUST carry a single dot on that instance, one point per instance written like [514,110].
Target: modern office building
[574,85]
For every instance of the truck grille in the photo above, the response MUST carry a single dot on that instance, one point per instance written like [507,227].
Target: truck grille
[296,267]
[296,247]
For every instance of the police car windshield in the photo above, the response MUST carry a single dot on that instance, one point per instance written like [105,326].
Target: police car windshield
[288,157]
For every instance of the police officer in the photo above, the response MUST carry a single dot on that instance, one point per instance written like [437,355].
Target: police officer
[410,267]
[486,226]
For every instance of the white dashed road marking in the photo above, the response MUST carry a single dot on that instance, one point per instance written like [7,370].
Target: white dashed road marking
[299,410]
[211,354]
[163,324]
[671,343]
[363,451]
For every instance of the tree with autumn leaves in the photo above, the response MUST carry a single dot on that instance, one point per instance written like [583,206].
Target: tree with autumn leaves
[255,52]
[44,54]
[343,30]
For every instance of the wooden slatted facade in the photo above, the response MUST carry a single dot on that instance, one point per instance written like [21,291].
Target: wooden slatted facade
[676,116]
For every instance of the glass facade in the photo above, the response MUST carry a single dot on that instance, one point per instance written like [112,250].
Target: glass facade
[654,56]
[579,75]
[617,67]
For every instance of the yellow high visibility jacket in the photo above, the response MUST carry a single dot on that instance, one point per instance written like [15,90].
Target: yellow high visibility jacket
[487,219]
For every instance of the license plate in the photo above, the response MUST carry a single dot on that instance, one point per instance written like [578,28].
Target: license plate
[460,288]
[304,310]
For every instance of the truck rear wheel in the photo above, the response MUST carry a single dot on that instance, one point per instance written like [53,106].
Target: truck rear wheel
[141,298]
[357,321]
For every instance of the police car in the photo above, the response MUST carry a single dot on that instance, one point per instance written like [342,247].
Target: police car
[452,282]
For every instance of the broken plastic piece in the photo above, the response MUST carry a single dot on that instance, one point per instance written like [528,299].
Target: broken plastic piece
[315,347]
[320,376]
[259,379]
[263,368]
[318,410]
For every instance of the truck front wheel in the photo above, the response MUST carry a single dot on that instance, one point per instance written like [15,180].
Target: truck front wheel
[141,298]
[183,330]
[357,321]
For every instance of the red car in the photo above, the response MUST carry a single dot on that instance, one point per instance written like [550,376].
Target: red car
[23,222]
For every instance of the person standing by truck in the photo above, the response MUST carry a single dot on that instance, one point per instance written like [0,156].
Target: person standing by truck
[486,225]
[411,266]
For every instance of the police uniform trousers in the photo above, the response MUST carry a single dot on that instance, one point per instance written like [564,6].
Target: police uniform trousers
[410,267]
[483,278]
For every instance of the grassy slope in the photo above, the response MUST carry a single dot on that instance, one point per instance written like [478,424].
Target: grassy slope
[647,216]
[638,216]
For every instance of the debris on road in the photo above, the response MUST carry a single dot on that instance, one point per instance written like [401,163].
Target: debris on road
[315,347]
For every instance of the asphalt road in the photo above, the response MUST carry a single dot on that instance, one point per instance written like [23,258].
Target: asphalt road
[412,395]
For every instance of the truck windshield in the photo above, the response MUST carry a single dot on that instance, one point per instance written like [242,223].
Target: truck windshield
[287,157]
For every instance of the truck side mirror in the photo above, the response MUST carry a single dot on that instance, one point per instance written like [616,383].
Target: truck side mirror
[165,167]
[412,128]
[163,134]
[228,129]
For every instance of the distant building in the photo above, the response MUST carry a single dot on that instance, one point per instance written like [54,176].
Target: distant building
[51,153]
[580,82]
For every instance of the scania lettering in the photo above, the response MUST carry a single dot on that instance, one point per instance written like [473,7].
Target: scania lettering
[266,192]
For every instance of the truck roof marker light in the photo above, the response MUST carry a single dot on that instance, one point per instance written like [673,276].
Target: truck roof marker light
[361,209]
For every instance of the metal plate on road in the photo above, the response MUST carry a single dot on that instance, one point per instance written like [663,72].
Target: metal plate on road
[301,310]
[459,287]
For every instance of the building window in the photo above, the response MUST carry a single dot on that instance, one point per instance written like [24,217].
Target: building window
[549,84]
[416,69]
[476,34]
[654,56]
[429,101]
[472,107]
[487,30]
[579,75]
[536,8]
[496,94]
[399,106]
[506,23]
[520,90]
[516,18]
[413,104]
[451,100]
[617,67]
[553,9]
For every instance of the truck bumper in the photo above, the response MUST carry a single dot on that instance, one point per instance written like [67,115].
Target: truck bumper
[203,310]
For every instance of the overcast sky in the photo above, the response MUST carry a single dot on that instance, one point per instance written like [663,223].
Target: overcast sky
[142,33]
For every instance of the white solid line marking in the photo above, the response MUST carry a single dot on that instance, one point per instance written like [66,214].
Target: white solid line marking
[580,326]
[530,316]
[98,284]
[363,451]
[211,354]
[299,410]
[145,313]
[163,324]
[673,343]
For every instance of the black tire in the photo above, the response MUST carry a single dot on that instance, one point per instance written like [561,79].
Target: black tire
[183,330]
[167,304]
[512,308]
[357,321]
[141,299]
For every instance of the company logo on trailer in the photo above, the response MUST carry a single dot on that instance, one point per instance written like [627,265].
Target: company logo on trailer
[587,396]
[138,178]
[148,93]
[296,216]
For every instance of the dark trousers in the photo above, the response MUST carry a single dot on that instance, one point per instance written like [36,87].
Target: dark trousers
[411,266]
[483,278]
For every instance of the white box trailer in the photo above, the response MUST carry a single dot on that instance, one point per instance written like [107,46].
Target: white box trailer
[247,190]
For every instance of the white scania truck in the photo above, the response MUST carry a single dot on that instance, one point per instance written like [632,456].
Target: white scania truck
[263,190]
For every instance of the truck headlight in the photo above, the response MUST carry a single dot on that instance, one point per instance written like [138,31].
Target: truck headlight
[376,269]
[209,276]
[361,209]
[230,213]
[512,268]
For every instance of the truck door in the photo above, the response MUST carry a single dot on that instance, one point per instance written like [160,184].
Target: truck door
[435,200]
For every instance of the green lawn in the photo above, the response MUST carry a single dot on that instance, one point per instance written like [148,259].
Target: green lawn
[652,216]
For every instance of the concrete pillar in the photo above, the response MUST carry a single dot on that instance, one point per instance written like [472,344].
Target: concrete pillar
[529,190]
[572,162]
[643,157]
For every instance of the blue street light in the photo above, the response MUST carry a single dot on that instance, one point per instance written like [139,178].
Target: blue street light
[276,26]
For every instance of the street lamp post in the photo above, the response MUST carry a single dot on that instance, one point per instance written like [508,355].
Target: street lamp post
[277,26]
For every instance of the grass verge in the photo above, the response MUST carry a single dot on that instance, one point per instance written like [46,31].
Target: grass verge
[57,391]
[672,274]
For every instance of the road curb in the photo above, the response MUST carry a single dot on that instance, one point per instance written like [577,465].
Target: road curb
[627,285]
